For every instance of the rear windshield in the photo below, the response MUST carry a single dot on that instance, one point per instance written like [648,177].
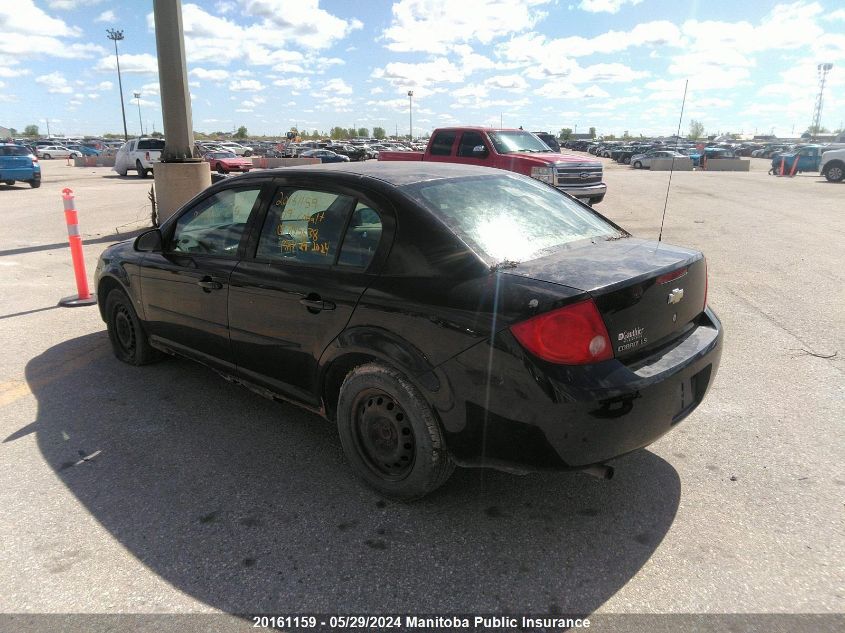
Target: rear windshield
[510,217]
[151,143]
[14,151]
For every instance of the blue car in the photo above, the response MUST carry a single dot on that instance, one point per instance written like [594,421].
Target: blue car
[18,164]
[85,150]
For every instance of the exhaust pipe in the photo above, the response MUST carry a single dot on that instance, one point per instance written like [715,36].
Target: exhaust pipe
[602,471]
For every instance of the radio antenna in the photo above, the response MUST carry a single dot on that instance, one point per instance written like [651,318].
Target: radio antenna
[672,167]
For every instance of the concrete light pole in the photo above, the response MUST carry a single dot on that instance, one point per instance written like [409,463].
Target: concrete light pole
[411,115]
[179,176]
[140,122]
[116,36]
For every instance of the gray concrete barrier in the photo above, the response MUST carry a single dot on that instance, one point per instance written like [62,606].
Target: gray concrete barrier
[269,163]
[94,161]
[727,164]
[665,164]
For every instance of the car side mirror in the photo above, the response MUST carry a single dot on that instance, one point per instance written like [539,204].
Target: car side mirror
[479,151]
[149,242]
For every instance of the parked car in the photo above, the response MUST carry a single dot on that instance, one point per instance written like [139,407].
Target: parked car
[55,151]
[83,150]
[832,165]
[325,156]
[139,155]
[225,162]
[549,140]
[18,164]
[235,148]
[388,299]
[640,161]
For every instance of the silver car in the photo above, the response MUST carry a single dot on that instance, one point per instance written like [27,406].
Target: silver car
[640,161]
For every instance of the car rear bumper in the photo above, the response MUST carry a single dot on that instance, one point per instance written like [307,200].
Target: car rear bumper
[523,415]
[19,173]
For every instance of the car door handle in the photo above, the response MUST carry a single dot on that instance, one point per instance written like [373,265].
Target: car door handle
[208,284]
[315,304]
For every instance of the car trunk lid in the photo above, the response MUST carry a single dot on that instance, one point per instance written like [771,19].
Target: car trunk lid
[647,293]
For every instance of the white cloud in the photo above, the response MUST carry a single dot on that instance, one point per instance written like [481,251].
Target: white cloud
[514,83]
[69,5]
[605,6]
[839,14]
[246,85]
[105,85]
[420,77]
[435,26]
[337,87]
[302,83]
[55,82]
[141,63]
[22,16]
[536,48]
[106,16]
[8,71]
[211,75]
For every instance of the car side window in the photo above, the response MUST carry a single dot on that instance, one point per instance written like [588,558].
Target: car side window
[442,143]
[469,140]
[362,237]
[215,225]
[304,226]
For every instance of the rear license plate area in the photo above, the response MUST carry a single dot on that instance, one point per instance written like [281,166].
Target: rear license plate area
[690,391]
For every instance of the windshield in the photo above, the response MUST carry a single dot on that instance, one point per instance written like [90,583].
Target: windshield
[510,217]
[517,141]
[223,155]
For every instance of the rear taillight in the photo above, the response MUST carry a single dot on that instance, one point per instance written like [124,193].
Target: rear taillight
[147,157]
[572,335]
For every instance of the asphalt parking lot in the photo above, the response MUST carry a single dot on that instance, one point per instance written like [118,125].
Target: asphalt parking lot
[166,489]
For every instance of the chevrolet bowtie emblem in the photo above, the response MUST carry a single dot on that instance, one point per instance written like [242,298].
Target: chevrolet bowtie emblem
[675,296]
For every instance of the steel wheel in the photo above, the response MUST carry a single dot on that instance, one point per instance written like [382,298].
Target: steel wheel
[383,434]
[124,330]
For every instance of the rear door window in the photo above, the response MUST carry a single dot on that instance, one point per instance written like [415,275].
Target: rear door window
[304,226]
[14,151]
[442,143]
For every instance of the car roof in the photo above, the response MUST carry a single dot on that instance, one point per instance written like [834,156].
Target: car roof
[399,173]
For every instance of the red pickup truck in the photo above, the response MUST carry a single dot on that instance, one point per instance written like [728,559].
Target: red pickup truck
[514,150]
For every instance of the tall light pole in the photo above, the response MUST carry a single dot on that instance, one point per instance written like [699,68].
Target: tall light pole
[116,36]
[411,115]
[140,122]
[817,111]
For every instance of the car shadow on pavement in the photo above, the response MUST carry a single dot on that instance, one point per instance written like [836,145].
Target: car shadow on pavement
[250,507]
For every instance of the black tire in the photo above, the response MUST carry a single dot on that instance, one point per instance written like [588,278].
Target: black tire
[142,173]
[34,183]
[248,153]
[128,339]
[835,172]
[390,435]
[638,165]
[221,169]
[11,183]
[47,156]
[72,155]
[626,160]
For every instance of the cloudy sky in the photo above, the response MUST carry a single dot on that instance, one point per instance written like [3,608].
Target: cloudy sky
[544,64]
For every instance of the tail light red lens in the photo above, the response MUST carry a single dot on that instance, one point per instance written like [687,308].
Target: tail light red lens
[572,335]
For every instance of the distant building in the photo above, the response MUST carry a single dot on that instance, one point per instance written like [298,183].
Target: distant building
[5,132]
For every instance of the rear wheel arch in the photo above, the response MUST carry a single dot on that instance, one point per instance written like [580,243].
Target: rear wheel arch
[362,345]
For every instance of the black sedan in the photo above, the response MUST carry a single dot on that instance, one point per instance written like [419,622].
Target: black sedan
[439,314]
[325,156]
